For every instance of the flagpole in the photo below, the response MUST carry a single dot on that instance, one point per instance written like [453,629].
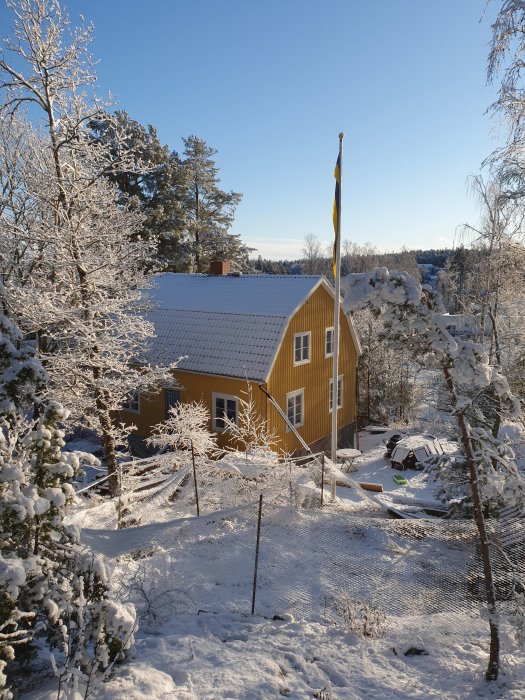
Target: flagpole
[337,280]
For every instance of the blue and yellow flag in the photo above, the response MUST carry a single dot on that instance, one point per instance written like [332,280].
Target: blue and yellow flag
[336,210]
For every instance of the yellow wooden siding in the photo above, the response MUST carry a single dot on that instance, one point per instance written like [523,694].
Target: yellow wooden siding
[315,316]
[193,387]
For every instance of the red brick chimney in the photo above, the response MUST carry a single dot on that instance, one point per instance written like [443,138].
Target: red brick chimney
[220,267]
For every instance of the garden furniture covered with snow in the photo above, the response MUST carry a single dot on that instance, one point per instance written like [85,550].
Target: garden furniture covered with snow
[412,452]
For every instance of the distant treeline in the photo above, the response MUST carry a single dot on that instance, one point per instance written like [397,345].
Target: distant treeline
[354,258]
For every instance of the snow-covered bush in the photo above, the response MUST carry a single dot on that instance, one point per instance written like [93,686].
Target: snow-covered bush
[149,584]
[185,430]
[359,618]
[250,431]
[93,632]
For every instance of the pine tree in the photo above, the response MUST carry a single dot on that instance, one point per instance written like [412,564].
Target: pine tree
[50,586]
[208,210]
[157,188]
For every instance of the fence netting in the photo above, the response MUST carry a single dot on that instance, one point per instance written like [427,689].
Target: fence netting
[307,559]
[308,556]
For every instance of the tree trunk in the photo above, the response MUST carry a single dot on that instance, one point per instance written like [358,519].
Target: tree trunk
[108,438]
[491,674]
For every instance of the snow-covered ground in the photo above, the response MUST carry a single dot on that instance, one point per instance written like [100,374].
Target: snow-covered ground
[193,586]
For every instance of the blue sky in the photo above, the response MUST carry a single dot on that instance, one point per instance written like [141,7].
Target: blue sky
[271,84]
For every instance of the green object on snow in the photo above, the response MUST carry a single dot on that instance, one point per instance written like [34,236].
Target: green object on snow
[400,480]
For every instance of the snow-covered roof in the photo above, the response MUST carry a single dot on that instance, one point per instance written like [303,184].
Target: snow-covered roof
[272,295]
[225,325]
[233,345]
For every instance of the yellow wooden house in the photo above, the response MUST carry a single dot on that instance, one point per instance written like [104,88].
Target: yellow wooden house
[231,330]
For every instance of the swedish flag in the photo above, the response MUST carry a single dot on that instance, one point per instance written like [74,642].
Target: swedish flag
[336,210]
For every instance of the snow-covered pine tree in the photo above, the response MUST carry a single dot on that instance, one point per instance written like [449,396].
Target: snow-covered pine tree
[74,259]
[50,586]
[413,320]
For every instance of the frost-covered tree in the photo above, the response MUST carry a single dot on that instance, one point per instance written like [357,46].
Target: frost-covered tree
[506,59]
[186,428]
[386,377]
[74,259]
[313,259]
[485,280]
[186,433]
[51,588]
[250,430]
[413,320]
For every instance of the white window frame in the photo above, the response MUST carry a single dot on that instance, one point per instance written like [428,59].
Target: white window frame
[293,395]
[226,397]
[304,334]
[331,353]
[133,400]
[339,393]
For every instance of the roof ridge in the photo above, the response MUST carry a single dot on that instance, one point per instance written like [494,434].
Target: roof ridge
[241,276]
[223,313]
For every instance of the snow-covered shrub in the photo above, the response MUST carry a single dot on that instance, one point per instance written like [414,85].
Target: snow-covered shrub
[250,431]
[151,589]
[185,430]
[359,618]
[95,632]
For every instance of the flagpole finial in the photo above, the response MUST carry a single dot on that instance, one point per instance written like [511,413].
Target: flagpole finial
[341,136]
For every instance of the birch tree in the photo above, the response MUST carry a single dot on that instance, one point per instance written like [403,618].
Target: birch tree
[413,319]
[506,62]
[73,258]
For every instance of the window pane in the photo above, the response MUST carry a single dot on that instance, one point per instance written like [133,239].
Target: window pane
[298,409]
[301,347]
[132,403]
[329,341]
[172,398]
[298,355]
[231,410]
[219,413]
[290,410]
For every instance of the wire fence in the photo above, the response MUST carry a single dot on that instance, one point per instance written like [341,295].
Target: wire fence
[307,560]
[309,557]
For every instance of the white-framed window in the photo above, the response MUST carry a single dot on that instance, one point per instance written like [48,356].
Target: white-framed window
[329,342]
[339,393]
[295,407]
[301,348]
[132,403]
[224,406]
[171,398]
